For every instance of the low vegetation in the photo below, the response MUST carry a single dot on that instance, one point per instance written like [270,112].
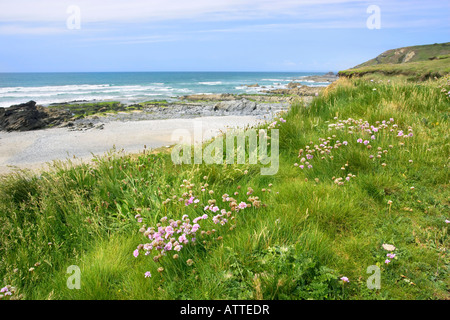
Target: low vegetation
[413,71]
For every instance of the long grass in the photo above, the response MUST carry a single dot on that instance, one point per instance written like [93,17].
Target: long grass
[308,232]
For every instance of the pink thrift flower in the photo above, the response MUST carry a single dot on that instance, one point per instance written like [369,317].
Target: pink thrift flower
[387,261]
[345,279]
[242,205]
[148,274]
[195,227]
[136,253]
[359,140]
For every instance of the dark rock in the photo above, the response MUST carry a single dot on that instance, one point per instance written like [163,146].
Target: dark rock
[28,116]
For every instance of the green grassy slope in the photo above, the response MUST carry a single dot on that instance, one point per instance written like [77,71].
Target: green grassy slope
[420,70]
[306,230]
[409,54]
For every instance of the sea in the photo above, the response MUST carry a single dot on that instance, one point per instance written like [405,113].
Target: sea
[135,87]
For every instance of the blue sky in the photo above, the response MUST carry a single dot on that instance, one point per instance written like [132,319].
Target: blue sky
[210,35]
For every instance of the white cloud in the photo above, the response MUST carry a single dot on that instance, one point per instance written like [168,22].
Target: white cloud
[46,17]
[22,30]
[154,10]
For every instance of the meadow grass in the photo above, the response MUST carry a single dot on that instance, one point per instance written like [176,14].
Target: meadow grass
[418,70]
[306,230]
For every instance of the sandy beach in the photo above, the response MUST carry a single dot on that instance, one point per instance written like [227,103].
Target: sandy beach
[34,149]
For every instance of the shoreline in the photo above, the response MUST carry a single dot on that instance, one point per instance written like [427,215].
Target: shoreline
[57,134]
[34,150]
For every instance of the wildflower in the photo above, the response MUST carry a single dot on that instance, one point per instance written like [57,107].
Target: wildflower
[282,120]
[189,262]
[344,143]
[387,261]
[195,227]
[242,205]
[168,246]
[390,255]
[148,274]
[345,279]
[366,142]
[359,140]
[388,247]
[160,269]
[372,137]
[410,161]
[447,221]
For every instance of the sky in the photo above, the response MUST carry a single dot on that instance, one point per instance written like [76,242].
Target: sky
[211,35]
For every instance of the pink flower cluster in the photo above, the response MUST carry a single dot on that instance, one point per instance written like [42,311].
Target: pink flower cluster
[7,291]
[170,237]
[173,235]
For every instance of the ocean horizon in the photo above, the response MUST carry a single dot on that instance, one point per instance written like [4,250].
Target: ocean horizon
[134,87]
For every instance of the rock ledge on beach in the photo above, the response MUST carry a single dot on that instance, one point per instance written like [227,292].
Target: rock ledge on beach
[28,116]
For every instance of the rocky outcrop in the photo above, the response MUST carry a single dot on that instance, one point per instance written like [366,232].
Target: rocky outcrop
[298,91]
[29,116]
[292,85]
[209,97]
